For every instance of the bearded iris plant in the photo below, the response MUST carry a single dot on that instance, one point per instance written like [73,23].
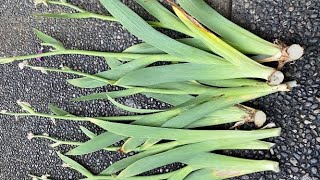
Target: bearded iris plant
[211,72]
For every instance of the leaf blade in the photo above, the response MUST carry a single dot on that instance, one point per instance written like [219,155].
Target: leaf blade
[137,26]
[181,154]
[113,74]
[80,15]
[112,62]
[164,16]
[129,130]
[74,165]
[58,111]
[182,73]
[145,48]
[101,141]
[131,109]
[122,164]
[87,132]
[231,32]
[49,40]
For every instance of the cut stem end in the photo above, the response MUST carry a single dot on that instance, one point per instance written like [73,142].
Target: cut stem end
[276,78]
[295,51]
[292,84]
[276,167]
[260,118]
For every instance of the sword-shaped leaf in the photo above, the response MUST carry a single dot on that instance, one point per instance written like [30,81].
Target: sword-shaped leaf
[48,40]
[179,154]
[231,32]
[74,165]
[140,28]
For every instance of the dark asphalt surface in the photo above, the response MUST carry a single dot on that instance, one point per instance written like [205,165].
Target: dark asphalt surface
[297,112]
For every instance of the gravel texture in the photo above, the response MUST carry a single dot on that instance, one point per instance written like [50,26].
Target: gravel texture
[297,112]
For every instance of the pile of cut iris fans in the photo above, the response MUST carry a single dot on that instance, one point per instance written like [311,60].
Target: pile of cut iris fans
[207,75]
